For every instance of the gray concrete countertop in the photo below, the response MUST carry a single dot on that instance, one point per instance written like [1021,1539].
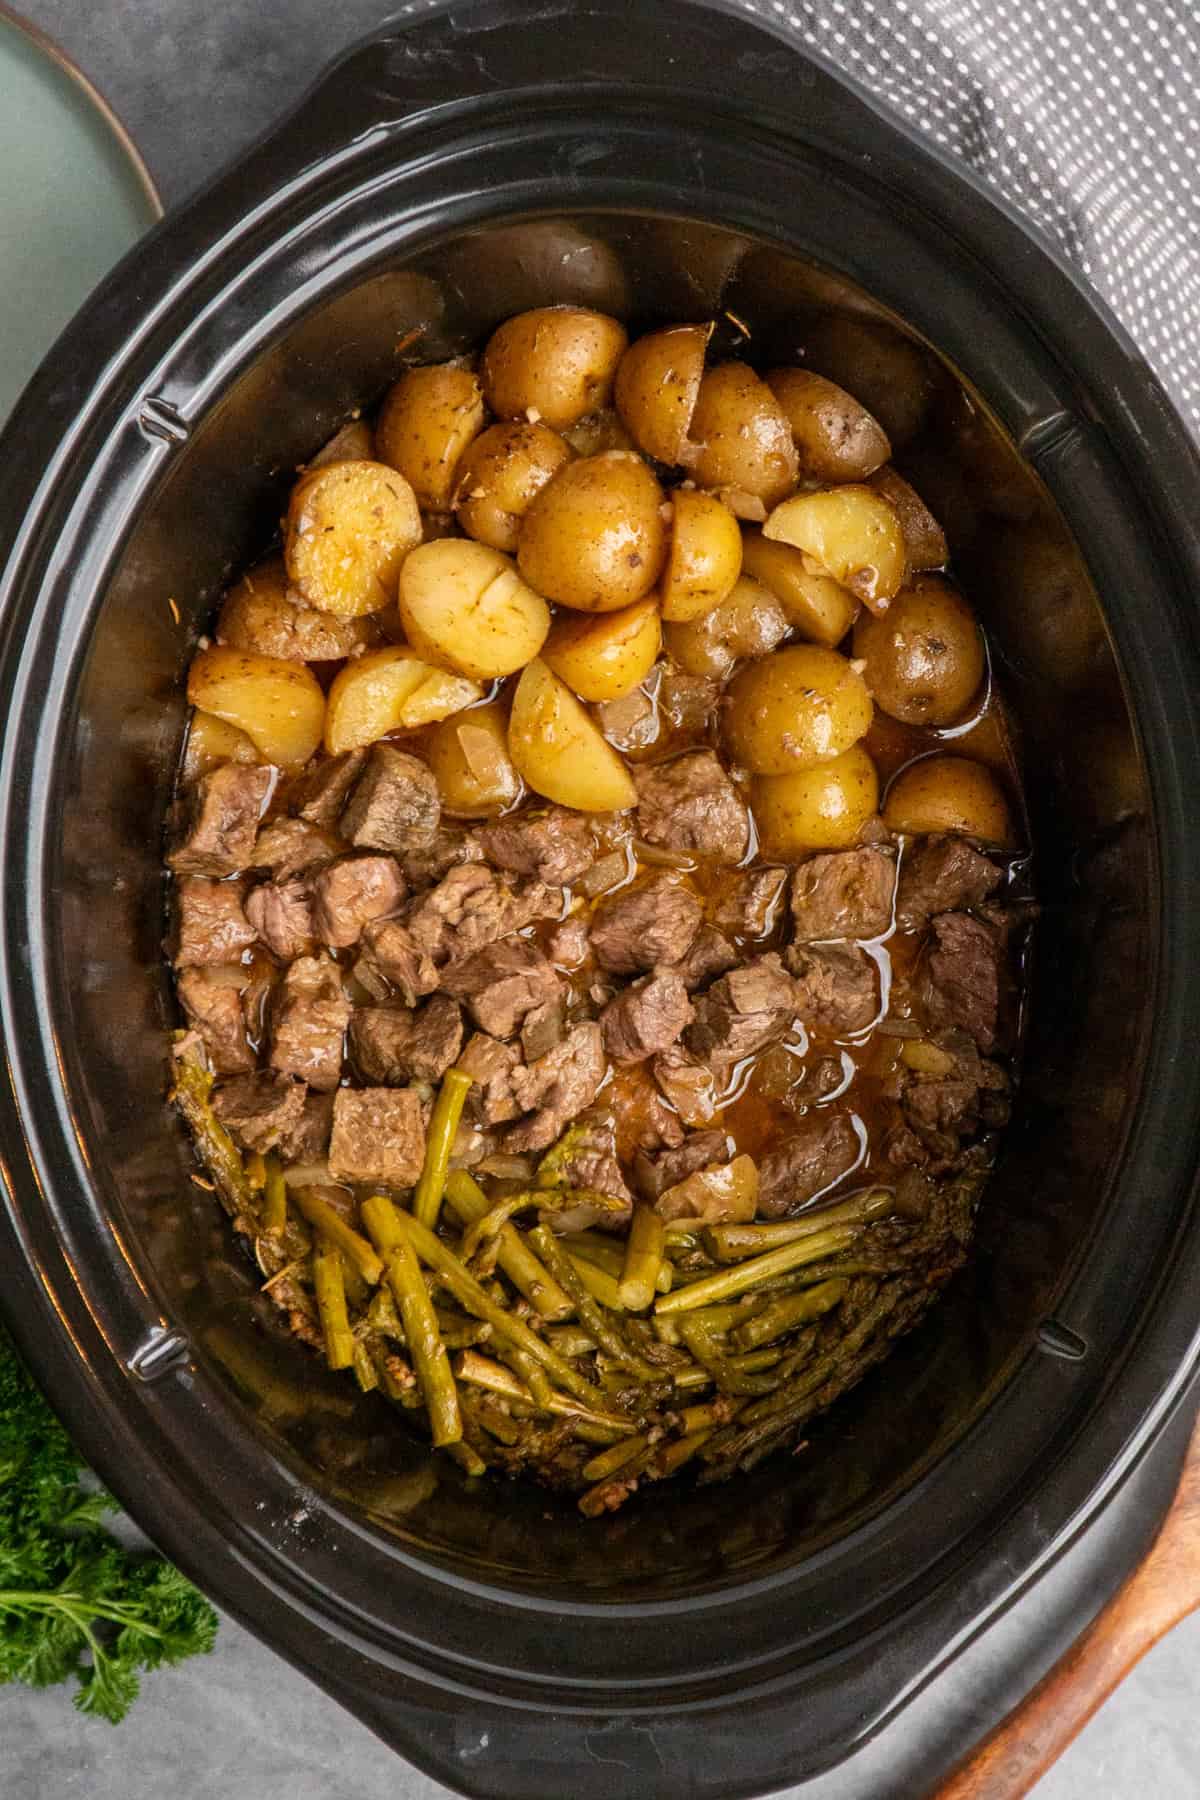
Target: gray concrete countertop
[194,82]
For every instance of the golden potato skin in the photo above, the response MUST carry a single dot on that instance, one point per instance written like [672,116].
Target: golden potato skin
[264,613]
[595,539]
[816,605]
[210,741]
[815,809]
[924,540]
[794,709]
[749,622]
[559,750]
[428,419]
[598,431]
[463,604]
[501,473]
[850,532]
[743,442]
[891,376]
[924,655]
[391,689]
[658,383]
[279,705]
[836,439]
[953,794]
[349,527]
[471,764]
[705,555]
[555,363]
[604,656]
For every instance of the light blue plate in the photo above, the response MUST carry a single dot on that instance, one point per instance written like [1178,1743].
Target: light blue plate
[74,195]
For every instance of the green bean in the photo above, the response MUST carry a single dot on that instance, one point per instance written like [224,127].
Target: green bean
[609,1461]
[530,1371]
[729,1316]
[672,1456]
[468,1201]
[782,1316]
[603,1328]
[729,1243]
[274,1198]
[794,1393]
[703,1346]
[745,1275]
[468,1459]
[443,1127]
[597,1281]
[330,1223]
[643,1260]
[571,1341]
[365,1371]
[330,1290]
[602,1252]
[218,1152]
[388,1230]
[484,1373]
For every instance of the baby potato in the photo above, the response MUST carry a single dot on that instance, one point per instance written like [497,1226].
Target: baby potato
[950,793]
[355,442]
[279,705]
[428,419]
[349,527]
[604,656]
[836,439]
[471,764]
[924,656]
[815,809]
[463,604]
[594,538]
[850,533]
[743,442]
[559,750]
[499,476]
[598,431]
[556,364]
[749,622]
[796,708]
[210,741]
[658,382]
[891,376]
[818,607]
[264,613]
[924,540]
[389,690]
[705,555]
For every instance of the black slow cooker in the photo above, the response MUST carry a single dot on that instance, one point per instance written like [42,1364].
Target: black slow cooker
[665,162]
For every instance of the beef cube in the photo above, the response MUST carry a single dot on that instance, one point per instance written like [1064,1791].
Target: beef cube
[352,893]
[543,1027]
[282,914]
[822,1149]
[490,1064]
[690,1087]
[221,814]
[554,845]
[942,874]
[640,927]
[471,908]
[699,1150]
[960,977]
[309,1015]
[394,1044]
[837,988]
[212,1000]
[749,905]
[690,804]
[948,1093]
[213,927]
[586,1157]
[259,1111]
[645,1019]
[501,983]
[378,1136]
[657,1126]
[308,1140]
[709,955]
[569,943]
[452,846]
[395,804]
[390,950]
[630,723]
[742,1013]
[290,846]
[688,702]
[323,793]
[847,894]
[556,1088]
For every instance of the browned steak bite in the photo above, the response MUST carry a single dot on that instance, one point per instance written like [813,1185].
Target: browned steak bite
[690,1086]
[351,893]
[501,983]
[960,976]
[569,943]
[689,702]
[645,1019]
[289,846]
[390,950]
[708,955]
[282,914]
[472,907]
[640,927]
[395,803]
[308,1140]
[393,1044]
[213,927]
[309,1015]
[322,794]
[556,846]
[942,874]
[837,988]
[689,804]
[556,1088]
[586,1157]
[542,1028]
[742,1013]
[452,845]
[822,1148]
[378,1135]
[212,1000]
[653,1175]
[221,814]
[490,1064]
[948,1093]
[847,894]
[259,1111]
[749,907]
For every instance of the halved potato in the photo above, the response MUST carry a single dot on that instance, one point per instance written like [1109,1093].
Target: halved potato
[470,760]
[747,623]
[597,432]
[744,445]
[892,377]
[428,419]
[559,750]
[850,533]
[953,794]
[603,656]
[705,557]
[390,690]
[594,538]
[279,705]
[815,809]
[924,540]
[501,473]
[263,612]
[210,741]
[836,438]
[816,605]
[555,363]
[658,381]
[464,604]
[349,527]
[794,709]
